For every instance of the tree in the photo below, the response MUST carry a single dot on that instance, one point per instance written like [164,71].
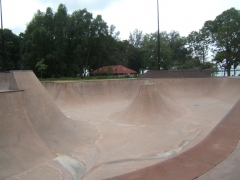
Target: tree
[120,53]
[112,32]
[199,43]
[136,38]
[11,50]
[134,50]
[34,42]
[41,66]
[98,44]
[80,41]
[61,33]
[70,44]
[48,24]
[173,50]
[221,61]
[225,34]
[149,51]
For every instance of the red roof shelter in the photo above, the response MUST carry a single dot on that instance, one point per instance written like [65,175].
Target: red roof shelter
[113,70]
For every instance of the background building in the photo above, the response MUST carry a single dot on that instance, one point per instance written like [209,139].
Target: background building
[118,70]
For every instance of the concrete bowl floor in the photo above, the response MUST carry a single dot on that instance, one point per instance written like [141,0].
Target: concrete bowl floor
[141,125]
[130,124]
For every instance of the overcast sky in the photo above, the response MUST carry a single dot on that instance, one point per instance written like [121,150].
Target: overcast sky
[183,16]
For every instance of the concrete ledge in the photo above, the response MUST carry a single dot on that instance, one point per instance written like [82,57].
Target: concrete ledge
[10,91]
[178,74]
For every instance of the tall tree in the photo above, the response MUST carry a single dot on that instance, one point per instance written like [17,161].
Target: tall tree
[136,38]
[173,50]
[225,34]
[70,44]
[177,44]
[31,47]
[80,40]
[199,43]
[149,50]
[49,41]
[11,50]
[97,50]
[61,32]
[41,66]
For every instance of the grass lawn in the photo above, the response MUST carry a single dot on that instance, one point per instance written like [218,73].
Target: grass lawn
[84,78]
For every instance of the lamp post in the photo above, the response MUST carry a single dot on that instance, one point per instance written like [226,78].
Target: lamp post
[158,38]
[3,64]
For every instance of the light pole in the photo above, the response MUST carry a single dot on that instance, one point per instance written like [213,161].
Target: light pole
[158,38]
[3,64]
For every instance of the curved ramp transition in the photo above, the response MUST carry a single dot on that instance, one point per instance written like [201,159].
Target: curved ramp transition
[33,129]
[116,129]
[149,108]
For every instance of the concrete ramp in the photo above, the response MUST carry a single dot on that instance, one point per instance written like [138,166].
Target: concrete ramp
[117,129]
[59,132]
[33,129]
[142,125]
[20,145]
[65,94]
[5,81]
[149,108]
[177,74]
[92,92]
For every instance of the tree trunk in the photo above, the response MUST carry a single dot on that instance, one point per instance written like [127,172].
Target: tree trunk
[228,68]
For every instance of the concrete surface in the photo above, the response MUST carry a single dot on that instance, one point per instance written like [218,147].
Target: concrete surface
[149,129]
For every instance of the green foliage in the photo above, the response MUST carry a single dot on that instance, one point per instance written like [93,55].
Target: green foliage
[11,50]
[136,38]
[71,45]
[83,78]
[41,66]
[172,48]
[225,34]
[198,43]
[74,44]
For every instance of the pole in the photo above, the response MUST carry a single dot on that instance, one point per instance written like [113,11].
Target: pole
[3,64]
[158,38]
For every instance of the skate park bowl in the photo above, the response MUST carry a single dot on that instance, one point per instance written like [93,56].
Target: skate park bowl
[145,128]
